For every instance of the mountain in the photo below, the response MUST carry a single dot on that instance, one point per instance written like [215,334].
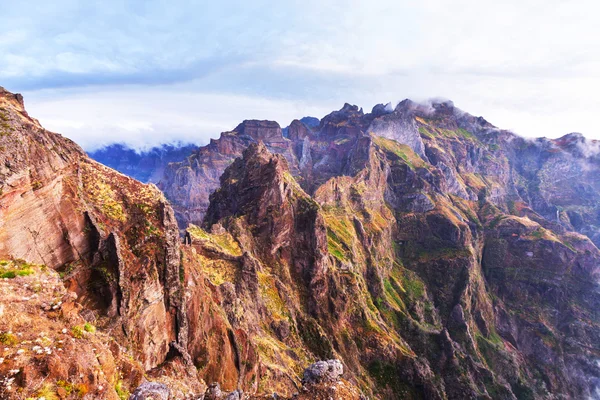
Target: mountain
[408,253]
[145,165]
[460,244]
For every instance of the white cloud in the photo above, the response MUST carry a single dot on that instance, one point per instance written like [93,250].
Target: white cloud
[146,117]
[526,65]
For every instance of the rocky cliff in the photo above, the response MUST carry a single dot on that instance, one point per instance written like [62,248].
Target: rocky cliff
[422,251]
[112,242]
[456,263]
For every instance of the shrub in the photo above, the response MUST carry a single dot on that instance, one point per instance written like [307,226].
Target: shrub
[121,391]
[65,385]
[89,327]
[77,332]
[8,339]
[47,392]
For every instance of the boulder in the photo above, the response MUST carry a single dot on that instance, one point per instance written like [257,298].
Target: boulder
[328,371]
[151,391]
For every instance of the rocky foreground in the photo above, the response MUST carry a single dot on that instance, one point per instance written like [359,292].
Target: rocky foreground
[407,253]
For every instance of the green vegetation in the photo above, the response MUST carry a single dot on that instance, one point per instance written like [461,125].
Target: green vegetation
[399,151]
[426,255]
[224,240]
[68,387]
[386,374]
[544,234]
[429,130]
[413,286]
[47,392]
[8,339]
[10,269]
[104,196]
[5,127]
[89,328]
[340,232]
[424,132]
[391,290]
[77,332]
[122,392]
[69,267]
[466,134]
[335,246]
[270,294]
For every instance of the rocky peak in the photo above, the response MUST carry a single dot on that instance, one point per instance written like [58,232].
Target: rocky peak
[13,99]
[298,130]
[382,109]
[571,142]
[243,184]
[266,131]
[348,116]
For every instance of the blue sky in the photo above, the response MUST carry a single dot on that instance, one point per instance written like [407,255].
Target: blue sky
[146,72]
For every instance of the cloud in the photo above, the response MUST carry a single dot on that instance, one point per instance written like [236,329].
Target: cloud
[67,79]
[145,117]
[524,65]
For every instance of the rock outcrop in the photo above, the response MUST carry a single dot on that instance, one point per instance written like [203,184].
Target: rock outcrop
[151,391]
[430,254]
[113,240]
[328,371]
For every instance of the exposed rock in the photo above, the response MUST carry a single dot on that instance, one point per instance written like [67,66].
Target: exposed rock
[113,239]
[151,391]
[444,266]
[328,371]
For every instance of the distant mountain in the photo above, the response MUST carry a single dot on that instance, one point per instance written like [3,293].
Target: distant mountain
[146,166]
[421,251]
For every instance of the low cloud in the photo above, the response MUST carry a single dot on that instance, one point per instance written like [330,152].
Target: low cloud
[142,118]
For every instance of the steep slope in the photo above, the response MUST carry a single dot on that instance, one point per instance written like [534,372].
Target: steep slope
[113,241]
[431,253]
[443,279]
[92,260]
[189,183]
[314,154]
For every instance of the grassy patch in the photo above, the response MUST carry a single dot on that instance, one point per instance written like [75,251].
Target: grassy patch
[442,253]
[8,339]
[68,387]
[545,234]
[89,328]
[104,196]
[270,294]
[424,132]
[413,286]
[10,269]
[5,127]
[340,233]
[399,151]
[47,392]
[122,392]
[77,332]
[224,241]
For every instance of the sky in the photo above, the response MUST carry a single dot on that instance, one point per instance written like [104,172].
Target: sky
[150,72]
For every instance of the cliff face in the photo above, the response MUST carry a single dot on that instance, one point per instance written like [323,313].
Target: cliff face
[430,253]
[452,268]
[113,241]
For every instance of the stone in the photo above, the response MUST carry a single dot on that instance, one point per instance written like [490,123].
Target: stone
[151,391]
[329,371]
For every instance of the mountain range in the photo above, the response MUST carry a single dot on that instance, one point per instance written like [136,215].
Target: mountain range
[413,252]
